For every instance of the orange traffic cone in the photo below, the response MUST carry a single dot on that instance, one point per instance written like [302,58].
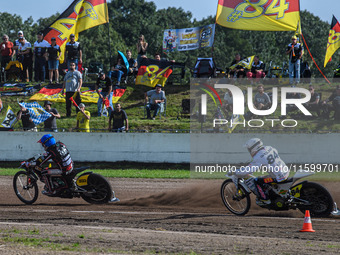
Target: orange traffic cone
[307,225]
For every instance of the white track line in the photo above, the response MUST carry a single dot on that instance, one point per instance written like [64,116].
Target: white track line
[212,215]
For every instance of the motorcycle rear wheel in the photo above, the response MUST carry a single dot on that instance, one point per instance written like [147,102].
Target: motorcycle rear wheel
[100,191]
[25,187]
[236,201]
[321,199]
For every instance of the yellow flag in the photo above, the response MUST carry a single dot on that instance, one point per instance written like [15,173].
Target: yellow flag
[10,119]
[92,13]
[79,16]
[333,40]
[246,63]
[260,15]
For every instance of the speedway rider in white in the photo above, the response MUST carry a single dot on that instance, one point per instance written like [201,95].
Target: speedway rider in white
[264,158]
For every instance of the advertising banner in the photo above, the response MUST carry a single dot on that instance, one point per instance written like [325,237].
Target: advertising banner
[188,38]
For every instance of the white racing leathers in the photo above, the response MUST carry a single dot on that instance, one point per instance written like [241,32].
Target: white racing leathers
[266,160]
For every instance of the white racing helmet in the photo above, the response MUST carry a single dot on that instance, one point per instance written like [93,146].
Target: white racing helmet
[253,145]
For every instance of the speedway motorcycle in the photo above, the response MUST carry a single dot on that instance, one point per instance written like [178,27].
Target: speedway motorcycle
[91,187]
[285,195]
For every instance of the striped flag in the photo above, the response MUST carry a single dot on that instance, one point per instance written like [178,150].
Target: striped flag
[333,40]
[79,16]
[37,112]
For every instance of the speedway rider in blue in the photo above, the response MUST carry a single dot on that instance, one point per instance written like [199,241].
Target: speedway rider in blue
[60,155]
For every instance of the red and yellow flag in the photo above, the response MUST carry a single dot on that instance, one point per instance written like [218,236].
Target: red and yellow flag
[333,40]
[79,16]
[153,72]
[260,15]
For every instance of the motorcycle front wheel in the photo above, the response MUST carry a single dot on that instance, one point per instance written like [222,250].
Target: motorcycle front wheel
[236,201]
[25,187]
[319,197]
[98,190]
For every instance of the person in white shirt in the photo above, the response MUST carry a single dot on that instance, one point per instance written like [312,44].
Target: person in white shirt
[40,57]
[25,57]
[228,104]
[17,43]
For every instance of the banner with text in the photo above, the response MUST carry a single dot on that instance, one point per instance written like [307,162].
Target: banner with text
[188,38]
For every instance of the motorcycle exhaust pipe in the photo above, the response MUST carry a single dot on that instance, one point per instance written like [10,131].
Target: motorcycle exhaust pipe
[336,211]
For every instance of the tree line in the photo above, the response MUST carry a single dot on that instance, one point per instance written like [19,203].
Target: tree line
[130,18]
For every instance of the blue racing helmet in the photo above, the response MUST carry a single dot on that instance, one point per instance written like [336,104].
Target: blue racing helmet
[47,140]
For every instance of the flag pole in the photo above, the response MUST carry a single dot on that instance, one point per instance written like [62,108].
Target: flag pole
[110,52]
[310,54]
[212,47]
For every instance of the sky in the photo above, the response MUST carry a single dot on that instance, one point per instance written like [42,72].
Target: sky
[199,8]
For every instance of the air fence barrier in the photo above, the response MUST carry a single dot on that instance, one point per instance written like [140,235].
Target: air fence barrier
[173,147]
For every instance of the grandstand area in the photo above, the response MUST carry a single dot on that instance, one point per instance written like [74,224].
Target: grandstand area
[175,121]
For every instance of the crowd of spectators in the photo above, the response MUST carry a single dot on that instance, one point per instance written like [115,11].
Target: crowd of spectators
[43,53]
[256,71]
[39,57]
[321,109]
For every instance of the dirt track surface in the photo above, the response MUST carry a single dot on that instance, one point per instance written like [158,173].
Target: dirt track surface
[158,216]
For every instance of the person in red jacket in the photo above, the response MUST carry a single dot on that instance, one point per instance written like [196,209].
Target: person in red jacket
[7,52]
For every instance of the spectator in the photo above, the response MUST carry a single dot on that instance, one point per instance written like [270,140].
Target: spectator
[83,119]
[117,118]
[7,52]
[1,105]
[238,71]
[337,72]
[51,123]
[257,70]
[105,84]
[262,100]
[117,71]
[73,52]
[157,57]
[72,82]
[53,60]
[40,57]
[294,95]
[156,97]
[295,52]
[27,122]
[16,43]
[132,63]
[228,104]
[142,47]
[335,99]
[25,57]
[313,104]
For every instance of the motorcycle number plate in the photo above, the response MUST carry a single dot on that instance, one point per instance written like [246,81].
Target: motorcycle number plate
[296,191]
[82,180]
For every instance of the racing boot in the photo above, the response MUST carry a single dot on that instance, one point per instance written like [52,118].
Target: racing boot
[262,198]
[48,192]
